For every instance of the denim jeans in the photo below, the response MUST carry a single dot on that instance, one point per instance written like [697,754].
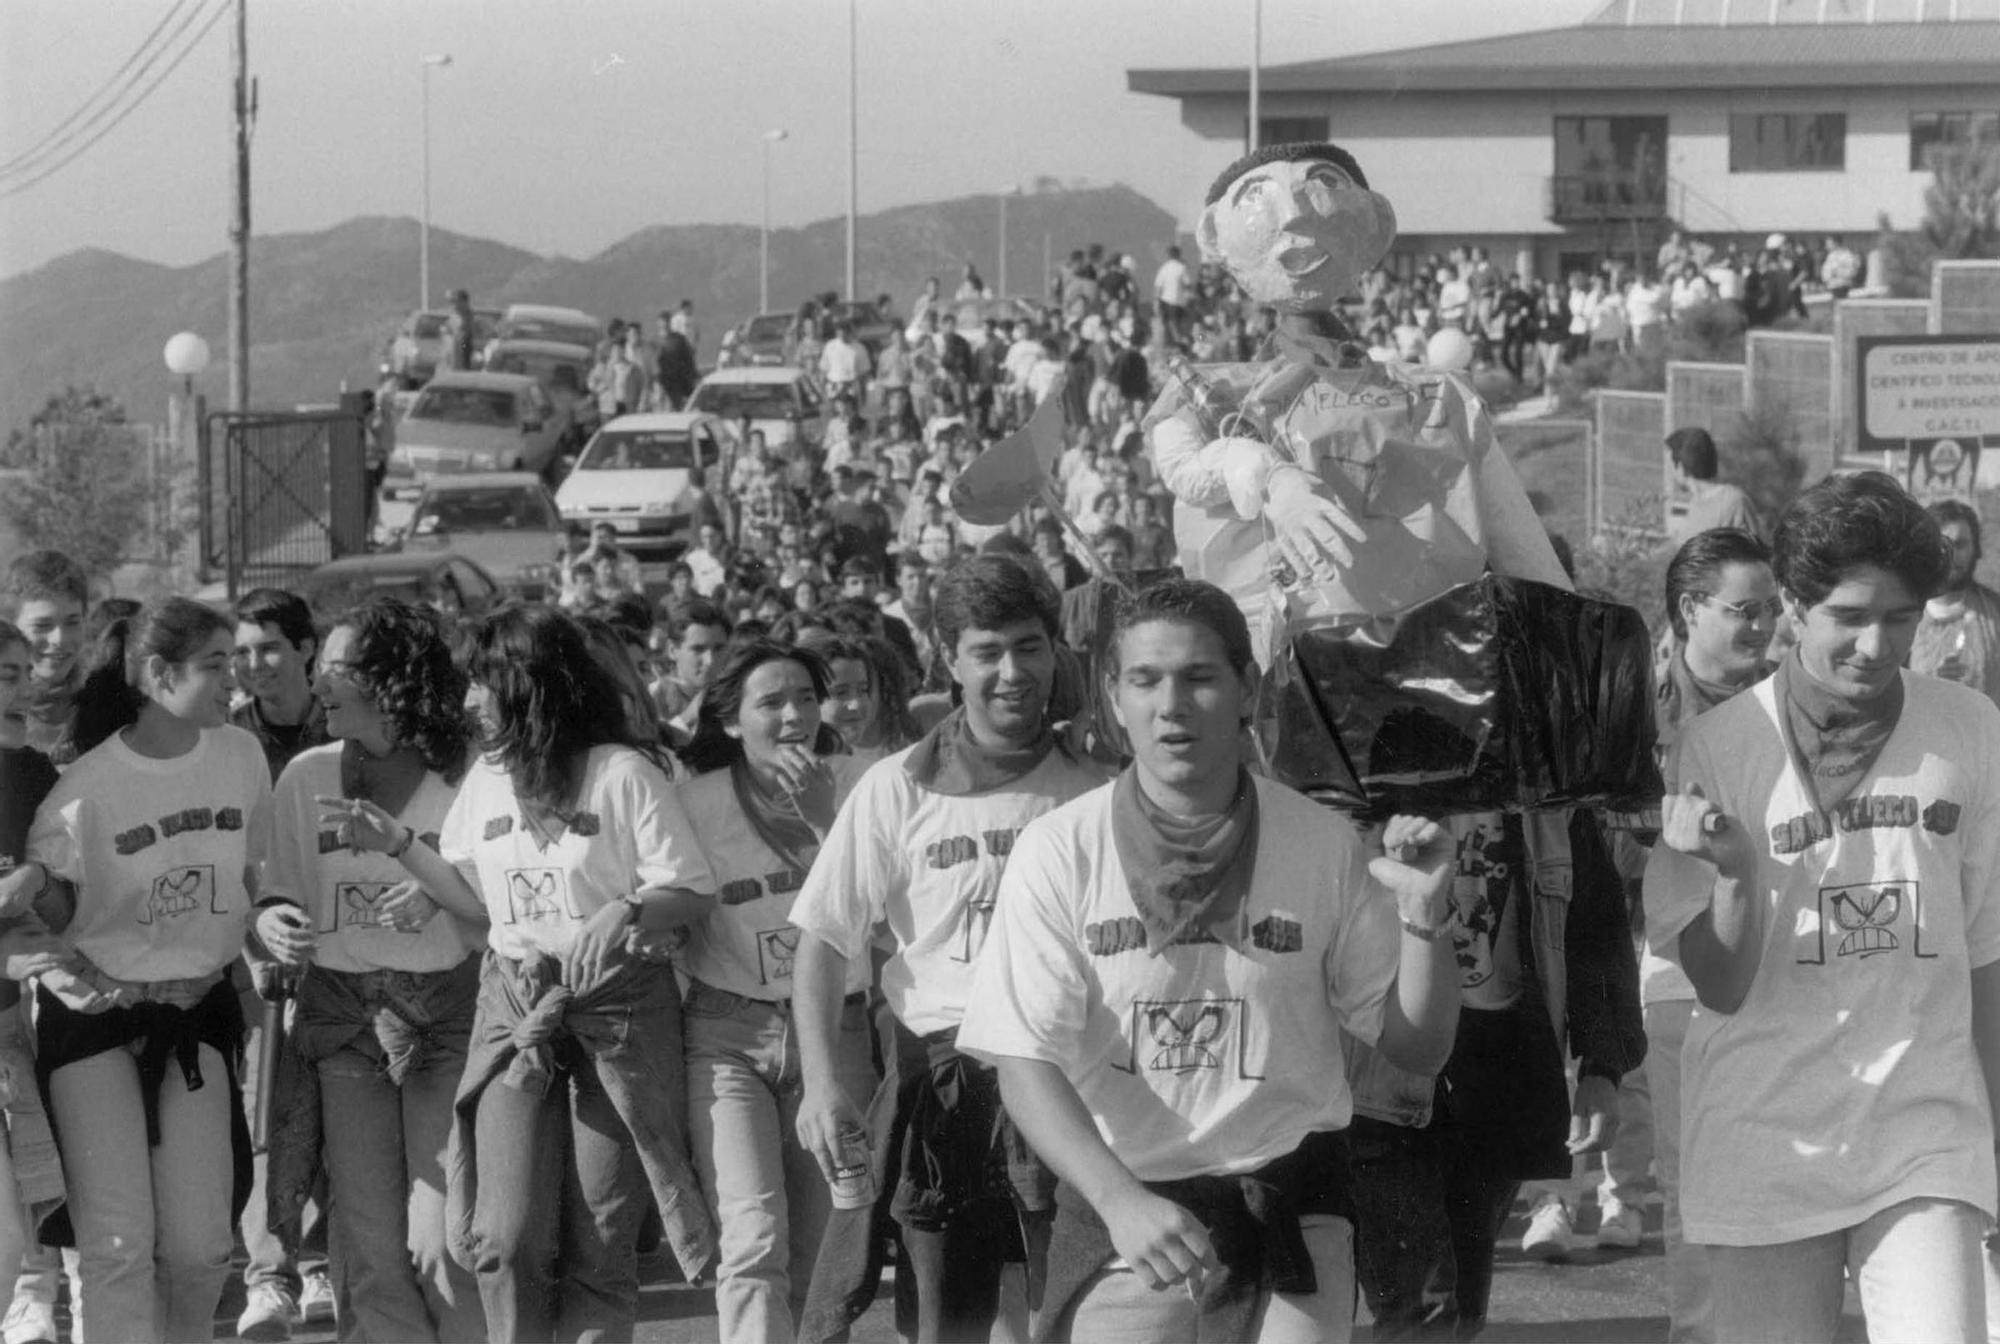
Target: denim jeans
[384,1149]
[1917,1264]
[1428,1211]
[768,1194]
[152,1223]
[1116,1307]
[266,1259]
[556,1225]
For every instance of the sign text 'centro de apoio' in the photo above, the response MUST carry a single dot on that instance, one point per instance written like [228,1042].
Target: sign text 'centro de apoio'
[1935,400]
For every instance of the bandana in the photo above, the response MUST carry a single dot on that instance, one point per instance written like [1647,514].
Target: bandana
[1833,740]
[777,823]
[1684,696]
[949,760]
[50,712]
[1186,874]
[389,781]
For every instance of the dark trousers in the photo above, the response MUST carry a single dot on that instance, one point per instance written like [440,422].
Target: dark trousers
[1428,1211]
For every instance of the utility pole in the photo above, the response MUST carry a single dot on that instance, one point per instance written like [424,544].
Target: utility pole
[1252,130]
[239,219]
[1001,292]
[853,144]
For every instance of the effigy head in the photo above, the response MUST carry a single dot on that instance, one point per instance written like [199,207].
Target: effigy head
[1296,225]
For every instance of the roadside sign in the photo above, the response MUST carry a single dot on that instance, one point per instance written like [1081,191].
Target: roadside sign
[1934,401]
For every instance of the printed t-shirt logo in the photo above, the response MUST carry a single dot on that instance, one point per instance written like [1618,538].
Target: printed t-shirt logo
[1184,1037]
[180,892]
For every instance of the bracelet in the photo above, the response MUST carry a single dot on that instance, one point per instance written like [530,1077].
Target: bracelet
[1426,932]
[402,847]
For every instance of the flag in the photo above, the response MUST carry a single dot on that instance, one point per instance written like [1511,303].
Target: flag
[1013,471]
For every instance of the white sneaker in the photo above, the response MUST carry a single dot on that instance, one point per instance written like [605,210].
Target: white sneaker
[29,1322]
[268,1315]
[1619,1226]
[1550,1232]
[316,1298]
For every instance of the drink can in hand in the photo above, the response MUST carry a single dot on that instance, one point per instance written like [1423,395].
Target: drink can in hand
[854,1172]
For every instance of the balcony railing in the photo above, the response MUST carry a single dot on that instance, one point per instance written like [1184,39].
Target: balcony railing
[1604,198]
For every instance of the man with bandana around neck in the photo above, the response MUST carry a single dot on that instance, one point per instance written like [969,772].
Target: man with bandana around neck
[920,847]
[1176,962]
[1367,487]
[1828,875]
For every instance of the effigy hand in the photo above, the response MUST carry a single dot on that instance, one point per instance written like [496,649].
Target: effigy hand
[1312,534]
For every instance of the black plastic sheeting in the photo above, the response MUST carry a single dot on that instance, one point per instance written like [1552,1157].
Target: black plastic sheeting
[1500,694]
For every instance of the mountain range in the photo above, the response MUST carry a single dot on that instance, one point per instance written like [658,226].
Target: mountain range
[324,305]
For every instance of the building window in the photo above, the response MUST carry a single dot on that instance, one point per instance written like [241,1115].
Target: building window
[1787,142]
[1609,168]
[1930,130]
[1291,130]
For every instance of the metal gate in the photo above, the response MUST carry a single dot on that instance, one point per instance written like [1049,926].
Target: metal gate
[281,494]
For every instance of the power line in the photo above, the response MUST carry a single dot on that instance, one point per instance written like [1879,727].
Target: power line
[215,16]
[40,147]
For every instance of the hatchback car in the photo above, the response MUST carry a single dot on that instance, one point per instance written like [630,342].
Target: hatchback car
[783,402]
[635,473]
[503,521]
[464,422]
[547,322]
[451,583]
[563,370]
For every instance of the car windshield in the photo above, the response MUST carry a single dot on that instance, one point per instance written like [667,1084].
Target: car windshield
[733,401]
[500,508]
[770,327]
[638,450]
[465,406]
[547,329]
[559,374]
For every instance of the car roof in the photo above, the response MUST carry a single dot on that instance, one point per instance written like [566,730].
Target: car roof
[657,421]
[756,373]
[532,346]
[551,312]
[387,562]
[480,480]
[500,382]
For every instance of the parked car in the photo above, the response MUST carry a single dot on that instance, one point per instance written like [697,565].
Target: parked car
[871,325]
[563,370]
[418,345]
[783,402]
[547,322]
[451,583]
[634,474]
[505,522]
[761,339]
[473,422]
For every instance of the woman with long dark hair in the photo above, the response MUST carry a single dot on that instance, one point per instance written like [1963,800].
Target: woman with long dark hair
[390,976]
[772,777]
[867,698]
[576,847]
[137,1037]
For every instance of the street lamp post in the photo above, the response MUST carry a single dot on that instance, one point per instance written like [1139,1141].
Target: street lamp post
[853,140]
[187,355]
[436,61]
[771,137]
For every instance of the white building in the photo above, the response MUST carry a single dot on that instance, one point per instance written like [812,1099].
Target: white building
[1733,118]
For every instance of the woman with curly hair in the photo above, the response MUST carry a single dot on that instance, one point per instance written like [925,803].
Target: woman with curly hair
[770,777]
[390,975]
[573,845]
[867,698]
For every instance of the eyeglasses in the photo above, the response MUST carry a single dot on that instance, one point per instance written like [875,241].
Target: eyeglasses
[1770,608]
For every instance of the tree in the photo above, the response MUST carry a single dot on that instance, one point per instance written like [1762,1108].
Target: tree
[84,489]
[1961,218]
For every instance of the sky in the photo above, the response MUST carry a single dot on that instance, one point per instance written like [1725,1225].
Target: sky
[562,126]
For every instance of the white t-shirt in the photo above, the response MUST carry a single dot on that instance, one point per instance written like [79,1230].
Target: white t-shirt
[340,889]
[158,851]
[1642,305]
[1201,1060]
[748,943]
[1846,1082]
[929,865]
[630,833]
[1170,282]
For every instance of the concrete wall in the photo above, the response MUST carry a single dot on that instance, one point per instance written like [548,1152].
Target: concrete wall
[1473,164]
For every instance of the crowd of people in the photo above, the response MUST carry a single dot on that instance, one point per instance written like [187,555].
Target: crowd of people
[879,884]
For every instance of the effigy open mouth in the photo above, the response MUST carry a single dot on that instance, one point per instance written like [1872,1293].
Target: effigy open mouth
[1301,260]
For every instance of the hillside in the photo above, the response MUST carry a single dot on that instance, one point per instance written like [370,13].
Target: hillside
[323,304]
